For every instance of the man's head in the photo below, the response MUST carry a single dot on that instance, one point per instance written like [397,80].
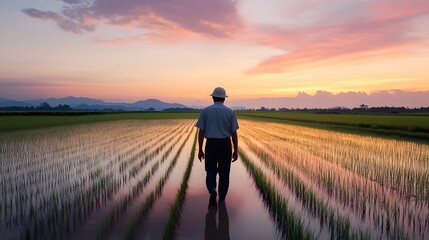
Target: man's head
[219,94]
[216,99]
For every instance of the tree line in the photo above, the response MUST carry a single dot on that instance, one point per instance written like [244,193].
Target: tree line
[44,106]
[361,109]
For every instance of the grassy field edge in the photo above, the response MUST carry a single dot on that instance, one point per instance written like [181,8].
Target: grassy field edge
[410,133]
[364,129]
[16,123]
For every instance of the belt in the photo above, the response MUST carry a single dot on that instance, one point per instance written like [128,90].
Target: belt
[218,139]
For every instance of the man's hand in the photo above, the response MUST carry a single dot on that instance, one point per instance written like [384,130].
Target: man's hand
[234,156]
[235,143]
[200,144]
[200,155]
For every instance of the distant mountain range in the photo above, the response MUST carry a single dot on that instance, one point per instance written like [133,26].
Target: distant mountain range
[321,99]
[81,103]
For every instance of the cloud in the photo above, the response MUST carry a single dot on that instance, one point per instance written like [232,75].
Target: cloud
[209,18]
[315,32]
[139,38]
[62,21]
[383,28]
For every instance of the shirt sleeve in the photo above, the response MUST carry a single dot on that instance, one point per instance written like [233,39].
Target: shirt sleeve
[234,123]
[201,123]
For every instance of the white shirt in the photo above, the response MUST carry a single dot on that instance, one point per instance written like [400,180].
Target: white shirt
[217,121]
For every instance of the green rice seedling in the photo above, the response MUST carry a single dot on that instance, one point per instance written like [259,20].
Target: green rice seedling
[135,190]
[176,208]
[62,175]
[364,173]
[154,194]
[290,225]
[316,205]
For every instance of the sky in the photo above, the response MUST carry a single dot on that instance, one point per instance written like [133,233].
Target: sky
[179,50]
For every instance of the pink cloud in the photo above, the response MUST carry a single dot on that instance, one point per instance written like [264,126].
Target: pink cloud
[210,18]
[397,8]
[323,99]
[384,28]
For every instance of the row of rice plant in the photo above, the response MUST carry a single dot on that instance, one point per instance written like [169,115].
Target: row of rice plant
[150,199]
[381,205]
[69,184]
[290,225]
[404,163]
[139,185]
[70,162]
[362,203]
[125,187]
[103,189]
[176,207]
[329,219]
[357,204]
[43,190]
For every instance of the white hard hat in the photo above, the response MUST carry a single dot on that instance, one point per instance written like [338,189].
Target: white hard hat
[219,93]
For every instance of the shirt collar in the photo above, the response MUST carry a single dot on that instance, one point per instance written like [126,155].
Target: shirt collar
[218,103]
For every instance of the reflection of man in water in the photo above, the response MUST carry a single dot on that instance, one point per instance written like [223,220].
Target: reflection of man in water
[213,232]
[217,123]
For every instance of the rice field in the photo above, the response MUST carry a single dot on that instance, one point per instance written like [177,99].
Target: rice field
[336,185]
[138,179]
[73,182]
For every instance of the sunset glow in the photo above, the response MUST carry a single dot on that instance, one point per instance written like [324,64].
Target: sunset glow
[179,51]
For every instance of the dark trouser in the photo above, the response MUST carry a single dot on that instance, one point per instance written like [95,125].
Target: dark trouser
[218,160]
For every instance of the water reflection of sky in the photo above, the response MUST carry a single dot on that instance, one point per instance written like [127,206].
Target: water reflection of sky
[245,211]
[219,230]
[152,226]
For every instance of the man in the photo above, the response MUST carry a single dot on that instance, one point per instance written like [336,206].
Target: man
[217,123]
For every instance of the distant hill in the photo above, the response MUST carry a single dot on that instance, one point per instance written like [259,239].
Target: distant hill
[8,103]
[81,103]
[157,104]
[71,101]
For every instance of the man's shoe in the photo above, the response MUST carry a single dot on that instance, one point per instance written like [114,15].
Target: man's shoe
[212,201]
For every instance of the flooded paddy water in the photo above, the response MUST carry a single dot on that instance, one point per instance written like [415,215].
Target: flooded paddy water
[120,180]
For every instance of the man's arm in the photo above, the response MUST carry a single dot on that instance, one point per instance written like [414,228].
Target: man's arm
[235,143]
[200,144]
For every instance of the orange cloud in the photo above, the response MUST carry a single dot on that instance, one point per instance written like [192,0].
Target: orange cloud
[379,34]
